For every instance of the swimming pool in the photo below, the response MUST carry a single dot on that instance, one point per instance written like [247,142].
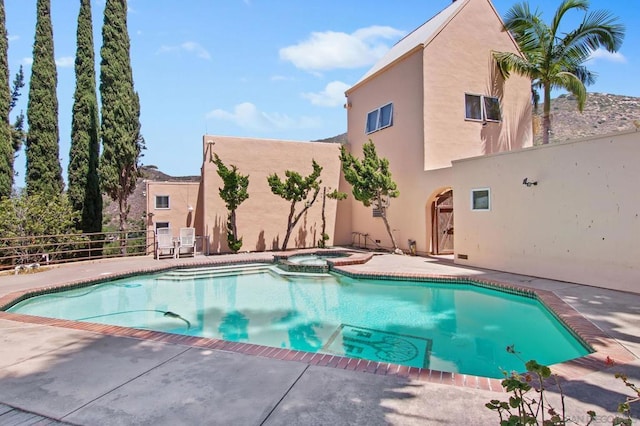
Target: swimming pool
[443,326]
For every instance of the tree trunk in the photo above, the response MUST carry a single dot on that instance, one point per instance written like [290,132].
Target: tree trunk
[234,228]
[386,222]
[546,115]
[290,225]
[324,217]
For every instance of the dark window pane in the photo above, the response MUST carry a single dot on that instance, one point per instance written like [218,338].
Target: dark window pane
[386,115]
[480,199]
[492,108]
[372,121]
[473,107]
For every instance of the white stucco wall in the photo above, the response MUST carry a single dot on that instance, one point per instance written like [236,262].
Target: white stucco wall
[580,223]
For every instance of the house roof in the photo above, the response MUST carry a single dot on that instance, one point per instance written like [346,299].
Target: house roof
[418,37]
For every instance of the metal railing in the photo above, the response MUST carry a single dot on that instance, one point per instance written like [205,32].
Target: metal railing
[33,251]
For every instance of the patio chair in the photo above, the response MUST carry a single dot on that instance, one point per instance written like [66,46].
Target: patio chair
[164,243]
[187,242]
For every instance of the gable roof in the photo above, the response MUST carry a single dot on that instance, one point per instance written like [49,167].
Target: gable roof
[418,37]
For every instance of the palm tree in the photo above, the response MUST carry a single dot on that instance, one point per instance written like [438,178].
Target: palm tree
[555,60]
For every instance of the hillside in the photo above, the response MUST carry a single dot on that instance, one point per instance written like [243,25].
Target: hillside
[603,114]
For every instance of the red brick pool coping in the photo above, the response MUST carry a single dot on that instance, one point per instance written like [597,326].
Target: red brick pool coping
[605,347]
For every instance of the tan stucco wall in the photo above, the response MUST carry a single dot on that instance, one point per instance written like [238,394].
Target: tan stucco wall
[427,87]
[458,61]
[262,218]
[182,195]
[581,223]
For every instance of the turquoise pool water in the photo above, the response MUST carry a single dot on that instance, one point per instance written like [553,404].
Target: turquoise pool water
[448,327]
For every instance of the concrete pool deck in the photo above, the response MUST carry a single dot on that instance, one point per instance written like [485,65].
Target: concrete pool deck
[51,374]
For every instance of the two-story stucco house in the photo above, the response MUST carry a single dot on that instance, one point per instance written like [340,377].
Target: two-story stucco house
[435,97]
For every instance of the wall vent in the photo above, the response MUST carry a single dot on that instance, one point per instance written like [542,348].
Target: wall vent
[463,256]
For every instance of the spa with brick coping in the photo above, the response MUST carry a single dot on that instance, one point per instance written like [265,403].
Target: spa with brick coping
[604,347]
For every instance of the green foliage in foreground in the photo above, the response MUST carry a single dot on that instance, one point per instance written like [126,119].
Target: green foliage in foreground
[528,403]
[296,188]
[30,217]
[233,193]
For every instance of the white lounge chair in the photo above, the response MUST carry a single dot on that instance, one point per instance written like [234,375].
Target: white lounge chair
[164,243]
[187,242]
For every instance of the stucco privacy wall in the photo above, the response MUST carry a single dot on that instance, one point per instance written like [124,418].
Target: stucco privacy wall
[427,82]
[580,223]
[262,218]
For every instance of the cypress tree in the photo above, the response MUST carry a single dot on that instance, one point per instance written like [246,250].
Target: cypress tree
[6,144]
[122,142]
[44,173]
[84,187]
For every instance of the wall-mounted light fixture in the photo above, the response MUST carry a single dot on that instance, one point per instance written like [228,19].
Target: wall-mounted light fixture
[529,183]
[210,144]
[347,105]
[190,208]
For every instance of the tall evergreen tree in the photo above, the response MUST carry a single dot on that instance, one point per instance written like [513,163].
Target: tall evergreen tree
[84,185]
[6,145]
[122,142]
[44,173]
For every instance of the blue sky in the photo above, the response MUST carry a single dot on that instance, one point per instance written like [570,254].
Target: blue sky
[263,68]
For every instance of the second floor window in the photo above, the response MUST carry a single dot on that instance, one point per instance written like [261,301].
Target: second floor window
[162,201]
[380,118]
[482,108]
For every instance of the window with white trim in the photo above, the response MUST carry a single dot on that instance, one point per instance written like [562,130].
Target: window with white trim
[481,199]
[162,201]
[380,118]
[481,108]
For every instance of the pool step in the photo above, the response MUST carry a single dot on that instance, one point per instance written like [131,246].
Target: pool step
[217,271]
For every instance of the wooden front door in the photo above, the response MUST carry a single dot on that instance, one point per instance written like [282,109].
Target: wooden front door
[443,223]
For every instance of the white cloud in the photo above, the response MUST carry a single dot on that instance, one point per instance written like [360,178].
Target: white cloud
[607,56]
[247,115]
[187,46]
[331,96]
[330,50]
[13,37]
[65,61]
[28,61]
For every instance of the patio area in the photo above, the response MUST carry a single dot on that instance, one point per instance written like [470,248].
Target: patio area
[59,373]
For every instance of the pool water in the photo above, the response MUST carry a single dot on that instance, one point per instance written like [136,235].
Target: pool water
[448,327]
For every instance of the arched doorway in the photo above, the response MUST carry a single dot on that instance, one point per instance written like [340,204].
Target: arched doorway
[442,223]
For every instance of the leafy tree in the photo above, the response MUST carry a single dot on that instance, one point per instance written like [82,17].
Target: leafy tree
[233,193]
[122,142]
[334,195]
[44,173]
[371,181]
[294,189]
[84,186]
[6,146]
[36,224]
[554,60]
